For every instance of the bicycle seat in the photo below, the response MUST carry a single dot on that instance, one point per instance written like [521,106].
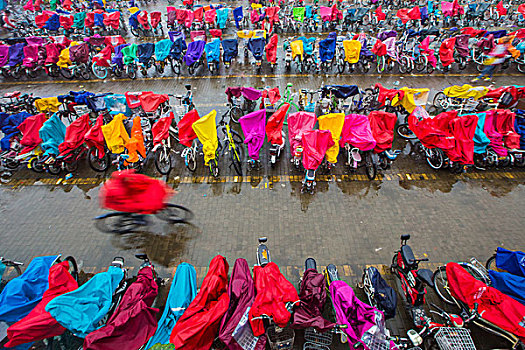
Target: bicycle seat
[332,274]
[425,275]
[13,94]
[142,256]
[392,154]
[408,255]
[310,263]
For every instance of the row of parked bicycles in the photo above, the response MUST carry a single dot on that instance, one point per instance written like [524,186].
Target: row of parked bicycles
[464,127]
[49,305]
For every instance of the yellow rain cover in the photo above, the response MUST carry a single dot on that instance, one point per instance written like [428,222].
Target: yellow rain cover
[412,98]
[256,6]
[206,131]
[63,59]
[47,104]
[115,134]
[352,50]
[297,49]
[466,91]
[245,34]
[133,10]
[135,144]
[333,122]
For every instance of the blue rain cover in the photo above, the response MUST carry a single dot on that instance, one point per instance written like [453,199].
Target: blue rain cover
[327,49]
[385,295]
[81,310]
[308,44]
[179,45]
[230,49]
[213,50]
[2,269]
[511,261]
[97,103]
[424,13]
[481,141]
[52,133]
[519,125]
[53,23]
[222,17]
[343,91]
[430,6]
[23,293]
[98,20]
[194,52]
[16,54]
[513,286]
[497,33]
[9,126]
[308,11]
[182,291]
[133,21]
[145,52]
[256,47]
[81,97]
[162,49]
[365,51]
[238,16]
[117,57]
[117,104]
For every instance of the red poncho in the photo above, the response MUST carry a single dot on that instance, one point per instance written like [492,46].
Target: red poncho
[446,51]
[382,125]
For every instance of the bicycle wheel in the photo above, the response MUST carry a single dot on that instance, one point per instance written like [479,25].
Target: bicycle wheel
[163,160]
[235,114]
[434,157]
[404,131]
[439,278]
[174,213]
[190,160]
[117,222]
[371,167]
[54,168]
[99,164]
[421,63]
[98,71]
[403,65]
[237,158]
[66,73]
[73,267]
[36,166]
[440,100]
[214,168]
[491,263]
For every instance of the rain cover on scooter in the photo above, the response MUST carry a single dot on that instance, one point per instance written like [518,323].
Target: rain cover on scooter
[273,292]
[79,53]
[16,54]
[271,49]
[463,129]
[182,292]
[363,321]
[466,91]
[481,141]
[313,297]
[222,17]
[382,125]
[357,132]
[298,124]
[145,52]
[95,138]
[497,138]
[241,291]
[411,98]
[52,52]
[53,23]
[213,50]
[352,50]
[129,54]
[332,122]
[75,133]
[23,293]
[162,49]
[252,125]
[52,134]
[39,324]
[186,133]
[197,327]
[327,49]
[115,134]
[256,47]
[274,126]
[9,126]
[238,16]
[179,45]
[384,295]
[230,49]
[4,55]
[135,144]
[134,321]
[446,51]
[118,56]
[206,131]
[81,310]
[428,130]
[150,101]
[513,286]
[511,261]
[493,306]
[194,52]
[461,45]
[504,120]
[315,144]
[30,56]
[29,129]
[161,129]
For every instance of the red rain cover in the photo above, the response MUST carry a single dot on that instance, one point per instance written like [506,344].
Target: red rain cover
[67,4]
[415,13]
[272,94]
[521,9]
[429,132]
[186,133]
[446,51]
[315,145]
[463,129]
[90,19]
[142,18]
[39,324]
[41,19]
[493,305]
[337,15]
[504,120]
[388,94]
[216,33]
[473,32]
[274,126]
[271,49]
[382,125]
[210,15]
[156,16]
[29,129]
[151,101]
[402,14]
[273,292]
[112,20]
[197,327]
[66,21]
[103,58]
[133,322]
[95,138]
[502,11]
[134,193]
[380,14]
[198,13]
[379,48]
[75,133]
[161,129]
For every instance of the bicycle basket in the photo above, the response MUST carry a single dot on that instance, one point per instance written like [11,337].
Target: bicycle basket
[317,338]
[280,338]
[454,339]
[243,333]
[312,346]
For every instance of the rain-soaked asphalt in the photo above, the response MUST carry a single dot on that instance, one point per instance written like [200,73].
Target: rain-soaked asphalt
[349,221]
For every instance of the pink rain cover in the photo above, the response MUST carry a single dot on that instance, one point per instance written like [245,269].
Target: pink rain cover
[496,138]
[315,145]
[30,56]
[298,124]
[357,132]
[391,49]
[505,125]
[252,125]
[251,93]
[326,13]
[429,53]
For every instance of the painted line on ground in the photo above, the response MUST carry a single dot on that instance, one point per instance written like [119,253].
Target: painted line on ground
[267,181]
[243,76]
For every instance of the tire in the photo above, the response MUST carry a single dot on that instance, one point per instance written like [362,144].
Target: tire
[521,67]
[298,64]
[15,73]
[371,167]
[421,63]
[235,114]
[430,68]
[380,68]
[491,263]
[191,70]
[98,164]
[175,66]
[66,73]
[12,164]
[173,214]
[36,166]
[191,161]
[131,72]
[118,222]
[214,168]
[404,132]
[462,63]
[440,100]
[341,65]
[439,278]
[54,168]
[403,65]
[73,267]
[163,160]
[84,73]
[434,157]
[237,158]
[71,167]
[98,71]
[134,31]
[31,73]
